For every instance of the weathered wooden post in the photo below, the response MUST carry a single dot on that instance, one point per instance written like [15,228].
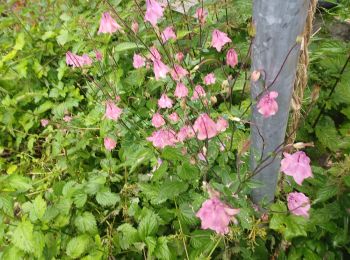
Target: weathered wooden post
[278,24]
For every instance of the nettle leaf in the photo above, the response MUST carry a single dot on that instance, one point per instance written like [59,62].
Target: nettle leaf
[106,198]
[127,235]
[187,214]
[22,236]
[94,184]
[151,243]
[289,226]
[200,238]
[151,192]
[327,133]
[80,199]
[160,172]
[148,225]
[171,189]
[6,204]
[172,154]
[19,183]
[78,246]
[86,222]
[162,250]
[188,172]
[326,193]
[38,208]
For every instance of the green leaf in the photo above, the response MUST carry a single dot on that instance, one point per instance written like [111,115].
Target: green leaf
[326,193]
[106,198]
[127,235]
[80,199]
[172,188]
[77,246]
[188,172]
[86,223]
[63,38]
[22,236]
[162,250]
[124,46]
[148,225]
[172,154]
[160,172]
[19,183]
[327,133]
[39,208]
[151,243]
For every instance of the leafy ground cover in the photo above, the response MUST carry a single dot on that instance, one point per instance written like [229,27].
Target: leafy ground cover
[77,184]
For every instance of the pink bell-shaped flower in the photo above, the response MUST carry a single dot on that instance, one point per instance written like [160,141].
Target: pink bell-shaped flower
[165,102]
[163,138]
[154,11]
[112,111]
[267,106]
[108,24]
[209,79]
[181,90]
[297,165]
[109,143]
[168,33]
[298,204]
[231,58]
[198,92]
[205,127]
[157,120]
[138,61]
[219,39]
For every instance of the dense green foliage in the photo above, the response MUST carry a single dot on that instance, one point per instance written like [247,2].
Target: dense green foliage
[63,196]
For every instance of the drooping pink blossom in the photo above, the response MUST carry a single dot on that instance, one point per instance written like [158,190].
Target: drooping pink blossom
[198,92]
[163,138]
[205,127]
[179,57]
[168,33]
[297,165]
[138,61]
[67,118]
[135,27]
[157,120]
[219,39]
[44,122]
[201,15]
[181,90]
[165,102]
[112,111]
[267,106]
[77,61]
[160,69]
[216,215]
[109,143]
[202,154]
[108,24]
[154,55]
[298,204]
[231,58]
[178,72]
[98,55]
[209,79]
[221,124]
[154,11]
[185,133]
[174,117]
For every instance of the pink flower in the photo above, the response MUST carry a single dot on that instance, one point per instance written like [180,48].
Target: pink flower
[201,15]
[267,106]
[109,143]
[181,90]
[67,118]
[205,127]
[298,204]
[44,122]
[154,11]
[157,120]
[216,215]
[165,102]
[297,165]
[112,111]
[138,61]
[221,124]
[174,117]
[155,55]
[198,92]
[108,24]
[231,58]
[222,147]
[185,133]
[163,138]
[178,72]
[77,61]
[209,79]
[98,55]
[135,27]
[168,33]
[219,39]
[202,154]
[179,57]
[160,69]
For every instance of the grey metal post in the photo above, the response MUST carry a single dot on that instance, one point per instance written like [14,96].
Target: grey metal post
[278,24]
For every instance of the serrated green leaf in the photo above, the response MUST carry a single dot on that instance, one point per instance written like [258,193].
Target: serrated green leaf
[148,225]
[22,236]
[162,250]
[151,243]
[326,193]
[172,188]
[39,208]
[106,198]
[77,246]
[86,222]
[127,235]
[160,172]
[80,199]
